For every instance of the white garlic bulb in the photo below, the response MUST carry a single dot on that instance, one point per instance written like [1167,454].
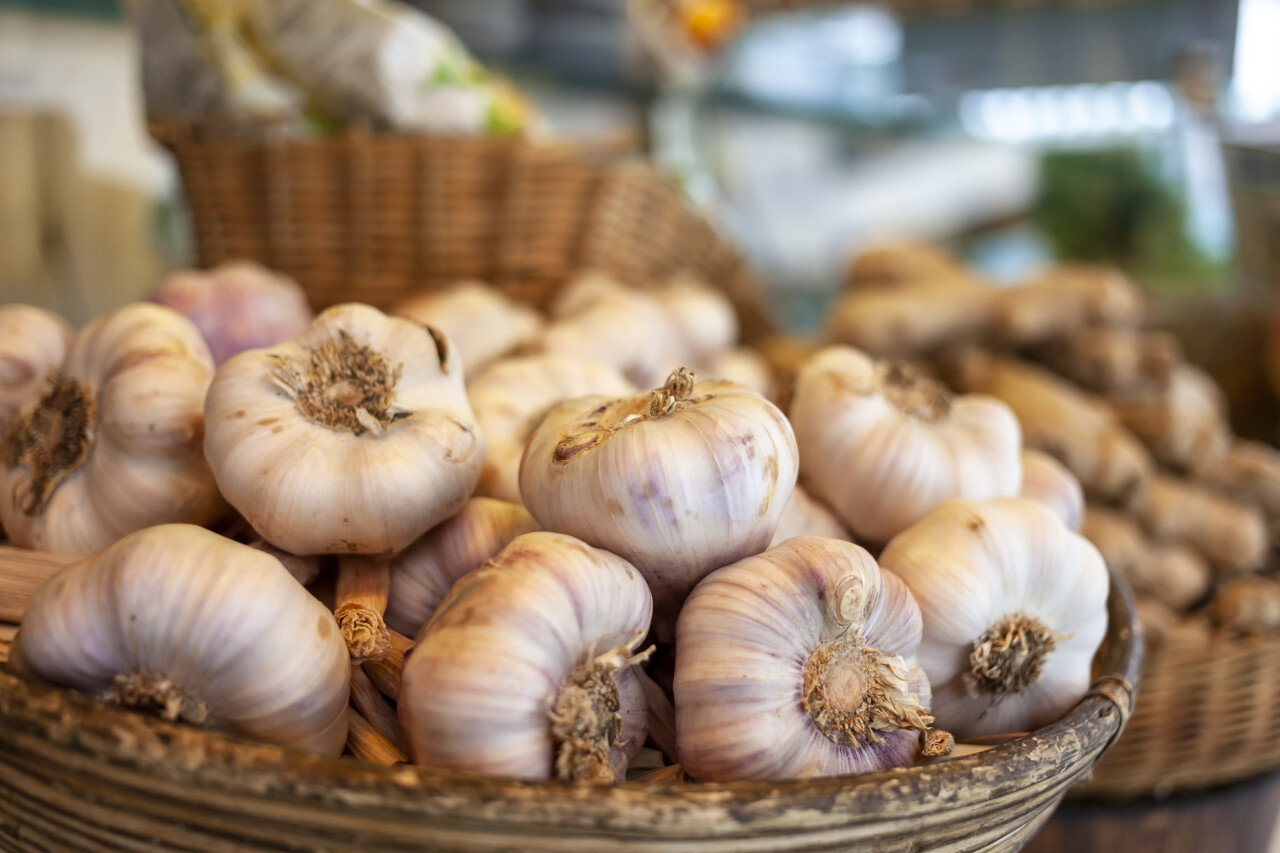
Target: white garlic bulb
[805,516]
[32,342]
[679,482]
[702,318]
[883,444]
[743,365]
[180,621]
[510,397]
[355,437]
[799,662]
[1014,608]
[524,669]
[1048,481]
[422,573]
[481,321]
[113,442]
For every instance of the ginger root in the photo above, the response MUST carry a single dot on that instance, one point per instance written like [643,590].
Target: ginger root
[1110,360]
[1231,534]
[1174,574]
[1183,422]
[1247,605]
[1067,298]
[912,321]
[1249,471]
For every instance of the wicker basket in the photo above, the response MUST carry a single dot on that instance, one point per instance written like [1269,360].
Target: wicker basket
[74,775]
[374,217]
[1209,715]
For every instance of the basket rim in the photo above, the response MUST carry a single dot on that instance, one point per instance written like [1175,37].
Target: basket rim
[74,732]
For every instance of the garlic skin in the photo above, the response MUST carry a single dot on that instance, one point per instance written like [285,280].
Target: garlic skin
[493,667]
[481,321]
[354,438]
[1048,481]
[804,516]
[510,397]
[679,482]
[882,444]
[996,575]
[112,444]
[32,342]
[743,365]
[179,620]
[422,574]
[702,318]
[777,653]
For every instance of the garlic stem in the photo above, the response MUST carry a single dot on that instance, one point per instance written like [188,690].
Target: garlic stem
[374,708]
[367,744]
[676,391]
[385,672]
[52,440]
[585,723]
[852,692]
[1009,656]
[159,696]
[360,600]
[21,574]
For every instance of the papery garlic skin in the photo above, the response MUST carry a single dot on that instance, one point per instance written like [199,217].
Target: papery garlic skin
[702,318]
[1048,481]
[371,486]
[482,322]
[114,443]
[33,341]
[510,397]
[179,619]
[805,516]
[679,482]
[751,640]
[883,445]
[979,567]
[492,663]
[422,574]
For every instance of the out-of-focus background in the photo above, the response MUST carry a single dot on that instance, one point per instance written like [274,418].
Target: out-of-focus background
[1141,132]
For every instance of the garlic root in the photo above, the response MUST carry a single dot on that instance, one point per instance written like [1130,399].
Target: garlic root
[585,723]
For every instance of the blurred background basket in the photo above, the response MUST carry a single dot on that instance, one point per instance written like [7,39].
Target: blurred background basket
[75,775]
[375,217]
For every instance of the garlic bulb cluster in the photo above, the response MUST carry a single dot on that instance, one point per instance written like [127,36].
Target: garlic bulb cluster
[524,669]
[237,305]
[422,573]
[1014,608]
[510,397]
[32,342]
[482,322]
[355,437]
[112,442]
[799,662]
[177,620]
[679,482]
[883,444]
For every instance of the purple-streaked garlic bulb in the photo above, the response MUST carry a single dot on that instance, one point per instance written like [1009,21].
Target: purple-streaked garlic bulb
[680,481]
[422,574]
[237,305]
[525,669]
[800,662]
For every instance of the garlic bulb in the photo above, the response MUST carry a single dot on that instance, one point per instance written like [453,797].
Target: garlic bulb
[180,621]
[743,365]
[237,305]
[510,397]
[680,482]
[799,662]
[112,444]
[356,437]
[1014,608]
[524,670]
[422,573]
[804,516]
[1048,481]
[482,322]
[702,318]
[32,342]
[883,444]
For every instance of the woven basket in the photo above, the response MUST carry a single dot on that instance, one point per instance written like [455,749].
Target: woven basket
[1209,715]
[75,775]
[375,217]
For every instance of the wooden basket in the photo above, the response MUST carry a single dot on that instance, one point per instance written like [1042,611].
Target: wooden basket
[75,775]
[1209,715]
[373,217]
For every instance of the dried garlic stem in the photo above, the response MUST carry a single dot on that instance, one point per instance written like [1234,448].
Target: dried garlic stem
[376,709]
[359,602]
[585,723]
[21,574]
[385,673]
[159,696]
[675,392]
[852,692]
[1009,656]
[367,744]
[7,633]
